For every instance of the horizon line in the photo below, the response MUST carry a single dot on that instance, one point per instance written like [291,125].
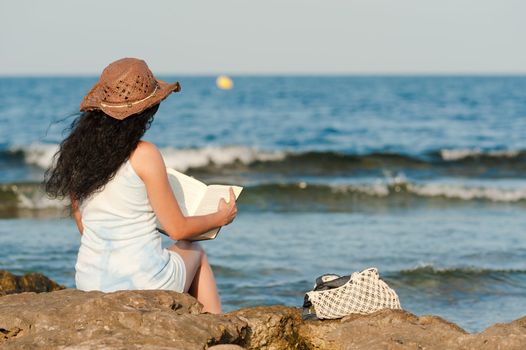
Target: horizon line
[285,74]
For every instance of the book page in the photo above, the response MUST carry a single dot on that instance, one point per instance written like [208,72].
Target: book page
[210,201]
[187,190]
[195,198]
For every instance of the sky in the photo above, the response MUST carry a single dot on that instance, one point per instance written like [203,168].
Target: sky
[73,37]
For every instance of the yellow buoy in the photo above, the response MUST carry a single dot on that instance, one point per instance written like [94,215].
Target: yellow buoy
[224,83]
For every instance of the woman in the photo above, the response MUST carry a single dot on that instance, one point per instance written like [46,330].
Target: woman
[118,188]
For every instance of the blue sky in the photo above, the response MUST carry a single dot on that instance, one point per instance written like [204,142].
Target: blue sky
[71,37]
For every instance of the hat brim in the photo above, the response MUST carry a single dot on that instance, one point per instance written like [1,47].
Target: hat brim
[92,101]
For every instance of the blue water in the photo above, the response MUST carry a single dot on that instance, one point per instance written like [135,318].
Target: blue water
[422,177]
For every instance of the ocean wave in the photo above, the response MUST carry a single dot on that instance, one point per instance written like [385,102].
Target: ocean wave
[29,200]
[182,159]
[392,194]
[456,272]
[185,159]
[439,190]
[463,162]
[38,154]
[460,154]
[441,281]
[465,193]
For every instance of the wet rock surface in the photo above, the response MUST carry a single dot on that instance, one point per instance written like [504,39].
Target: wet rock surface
[168,320]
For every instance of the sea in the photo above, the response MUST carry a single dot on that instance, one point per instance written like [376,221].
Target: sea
[422,177]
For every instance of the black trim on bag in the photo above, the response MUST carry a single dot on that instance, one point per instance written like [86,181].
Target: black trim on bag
[308,313]
[335,283]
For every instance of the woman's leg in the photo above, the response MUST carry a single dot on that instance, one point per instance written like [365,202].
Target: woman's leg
[200,281]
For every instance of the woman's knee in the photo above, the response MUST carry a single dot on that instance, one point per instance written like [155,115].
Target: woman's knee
[190,246]
[192,253]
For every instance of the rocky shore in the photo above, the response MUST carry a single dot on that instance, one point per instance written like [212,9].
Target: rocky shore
[70,318]
[30,282]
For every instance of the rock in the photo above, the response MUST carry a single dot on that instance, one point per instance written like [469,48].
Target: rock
[145,319]
[509,336]
[30,282]
[155,319]
[271,327]
[384,329]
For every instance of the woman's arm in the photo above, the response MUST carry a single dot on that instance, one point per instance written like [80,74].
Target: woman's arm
[75,212]
[149,165]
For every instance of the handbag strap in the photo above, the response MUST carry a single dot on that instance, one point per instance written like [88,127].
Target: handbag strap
[335,283]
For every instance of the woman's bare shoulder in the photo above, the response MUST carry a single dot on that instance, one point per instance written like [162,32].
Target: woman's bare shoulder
[146,159]
[145,148]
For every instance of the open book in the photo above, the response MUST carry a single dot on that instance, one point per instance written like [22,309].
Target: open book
[196,198]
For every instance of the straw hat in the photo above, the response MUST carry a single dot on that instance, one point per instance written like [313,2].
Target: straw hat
[126,87]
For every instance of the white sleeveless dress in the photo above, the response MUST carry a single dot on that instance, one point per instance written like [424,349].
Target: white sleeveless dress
[121,247]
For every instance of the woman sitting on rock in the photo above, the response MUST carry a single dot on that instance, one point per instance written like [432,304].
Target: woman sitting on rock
[118,187]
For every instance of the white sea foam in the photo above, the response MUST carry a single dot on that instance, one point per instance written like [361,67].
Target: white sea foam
[184,159]
[377,189]
[40,202]
[32,196]
[380,188]
[181,159]
[373,190]
[459,154]
[467,193]
[39,154]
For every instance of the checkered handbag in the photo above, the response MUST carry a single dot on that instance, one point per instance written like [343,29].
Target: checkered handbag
[360,293]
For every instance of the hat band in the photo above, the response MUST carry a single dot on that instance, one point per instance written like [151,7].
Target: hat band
[130,104]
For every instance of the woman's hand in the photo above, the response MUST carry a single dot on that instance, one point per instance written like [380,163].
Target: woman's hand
[227,211]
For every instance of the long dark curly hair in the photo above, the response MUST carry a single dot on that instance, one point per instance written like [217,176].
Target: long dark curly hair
[93,152]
